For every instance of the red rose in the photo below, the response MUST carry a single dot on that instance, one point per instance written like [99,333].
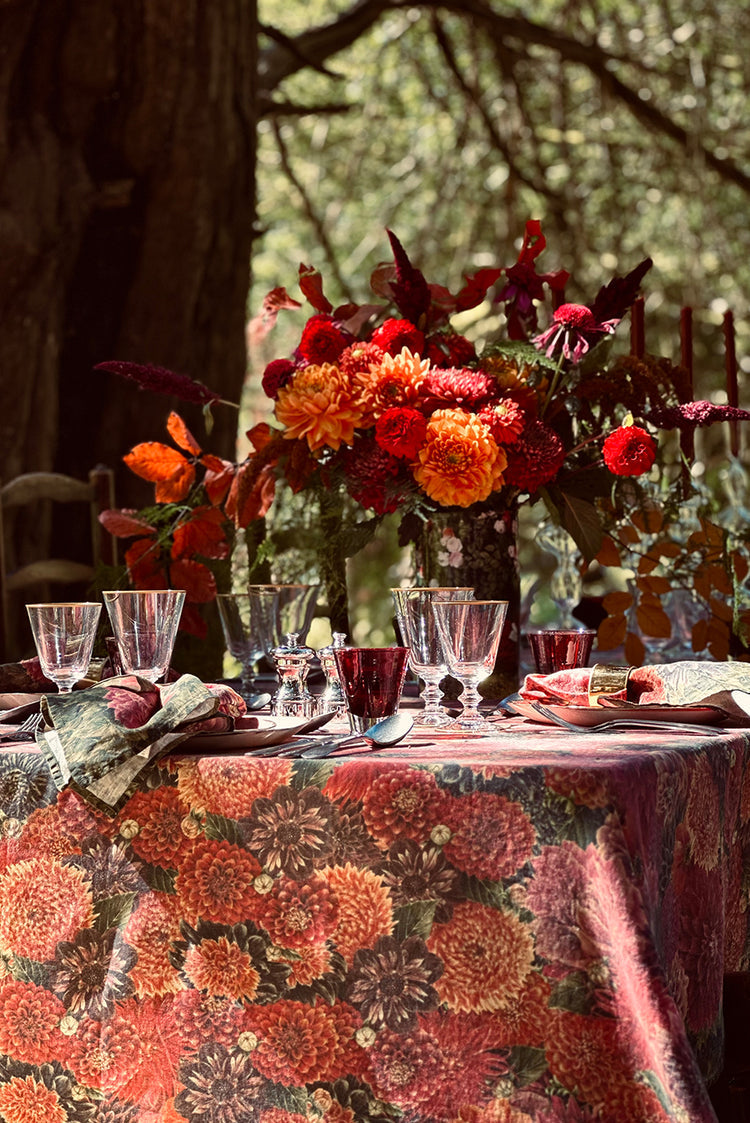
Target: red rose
[629,451]
[401,431]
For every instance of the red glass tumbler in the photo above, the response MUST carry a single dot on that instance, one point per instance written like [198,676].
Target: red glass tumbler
[560,649]
[372,679]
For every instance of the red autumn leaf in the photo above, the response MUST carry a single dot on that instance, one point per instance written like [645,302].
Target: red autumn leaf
[195,578]
[124,523]
[273,302]
[311,283]
[251,493]
[181,435]
[202,534]
[475,289]
[143,564]
[218,478]
[260,435]
[300,466]
[163,466]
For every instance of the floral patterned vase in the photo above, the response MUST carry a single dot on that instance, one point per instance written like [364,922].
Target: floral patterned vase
[477,546]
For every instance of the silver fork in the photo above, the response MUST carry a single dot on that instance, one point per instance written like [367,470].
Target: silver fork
[26,731]
[629,723]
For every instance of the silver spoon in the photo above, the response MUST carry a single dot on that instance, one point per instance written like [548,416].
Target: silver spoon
[628,723]
[387,731]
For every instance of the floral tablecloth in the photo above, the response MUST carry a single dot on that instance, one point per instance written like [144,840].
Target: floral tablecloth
[532,926]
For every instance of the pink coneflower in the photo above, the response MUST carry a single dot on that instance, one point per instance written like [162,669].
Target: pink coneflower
[572,323]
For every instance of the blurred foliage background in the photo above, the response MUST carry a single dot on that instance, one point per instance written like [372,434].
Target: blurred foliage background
[623,126]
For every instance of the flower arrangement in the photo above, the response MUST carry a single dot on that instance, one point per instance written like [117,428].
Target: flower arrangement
[386,407]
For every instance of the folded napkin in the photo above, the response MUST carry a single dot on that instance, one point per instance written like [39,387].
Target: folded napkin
[687,683]
[99,740]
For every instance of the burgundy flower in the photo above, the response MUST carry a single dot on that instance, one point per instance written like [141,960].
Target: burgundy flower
[277,374]
[394,335]
[691,415]
[455,387]
[92,972]
[370,475]
[392,983]
[535,458]
[219,1086]
[629,451]
[524,285]
[449,349]
[162,381]
[321,342]
[401,431]
[573,324]
[418,873]
[289,832]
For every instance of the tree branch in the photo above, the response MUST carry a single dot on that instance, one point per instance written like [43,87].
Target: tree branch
[314,47]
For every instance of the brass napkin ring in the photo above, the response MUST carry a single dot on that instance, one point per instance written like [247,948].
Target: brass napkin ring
[607,678]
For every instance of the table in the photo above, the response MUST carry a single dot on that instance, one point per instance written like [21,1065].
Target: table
[531,926]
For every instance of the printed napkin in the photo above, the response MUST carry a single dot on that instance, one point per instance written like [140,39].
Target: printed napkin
[99,740]
[686,683]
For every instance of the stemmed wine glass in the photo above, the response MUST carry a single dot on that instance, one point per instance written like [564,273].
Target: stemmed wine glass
[470,633]
[144,623]
[64,636]
[242,637]
[419,632]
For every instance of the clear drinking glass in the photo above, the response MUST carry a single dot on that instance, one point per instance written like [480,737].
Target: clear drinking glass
[242,636]
[64,635]
[278,610]
[144,623]
[470,633]
[419,632]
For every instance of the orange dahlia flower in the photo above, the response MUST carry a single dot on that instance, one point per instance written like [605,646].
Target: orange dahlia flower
[318,404]
[460,462]
[395,381]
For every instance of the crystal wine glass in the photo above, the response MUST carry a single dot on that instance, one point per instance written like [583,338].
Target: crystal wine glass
[64,635]
[278,610]
[470,633]
[144,623]
[419,631]
[242,637]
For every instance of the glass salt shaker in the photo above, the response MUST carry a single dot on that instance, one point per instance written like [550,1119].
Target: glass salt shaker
[292,661]
[332,698]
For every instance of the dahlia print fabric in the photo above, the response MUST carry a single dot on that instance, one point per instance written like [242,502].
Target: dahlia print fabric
[509,933]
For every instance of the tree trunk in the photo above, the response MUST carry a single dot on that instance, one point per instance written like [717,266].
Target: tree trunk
[127,158]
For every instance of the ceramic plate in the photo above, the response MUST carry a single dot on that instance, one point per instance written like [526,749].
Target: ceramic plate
[253,733]
[596,715]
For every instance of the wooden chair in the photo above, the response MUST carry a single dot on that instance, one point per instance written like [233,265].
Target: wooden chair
[33,495]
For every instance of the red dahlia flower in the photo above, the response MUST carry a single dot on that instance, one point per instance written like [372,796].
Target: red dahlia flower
[394,335]
[457,388]
[535,458]
[629,451]
[401,431]
[370,473]
[322,341]
[277,374]
[572,323]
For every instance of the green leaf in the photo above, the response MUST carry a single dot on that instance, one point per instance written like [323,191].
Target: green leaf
[527,1063]
[220,829]
[355,536]
[293,1100]
[112,912]
[572,993]
[158,878]
[490,893]
[580,519]
[414,919]
[29,970]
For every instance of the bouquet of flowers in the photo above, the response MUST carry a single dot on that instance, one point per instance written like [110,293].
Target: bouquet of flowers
[386,407]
